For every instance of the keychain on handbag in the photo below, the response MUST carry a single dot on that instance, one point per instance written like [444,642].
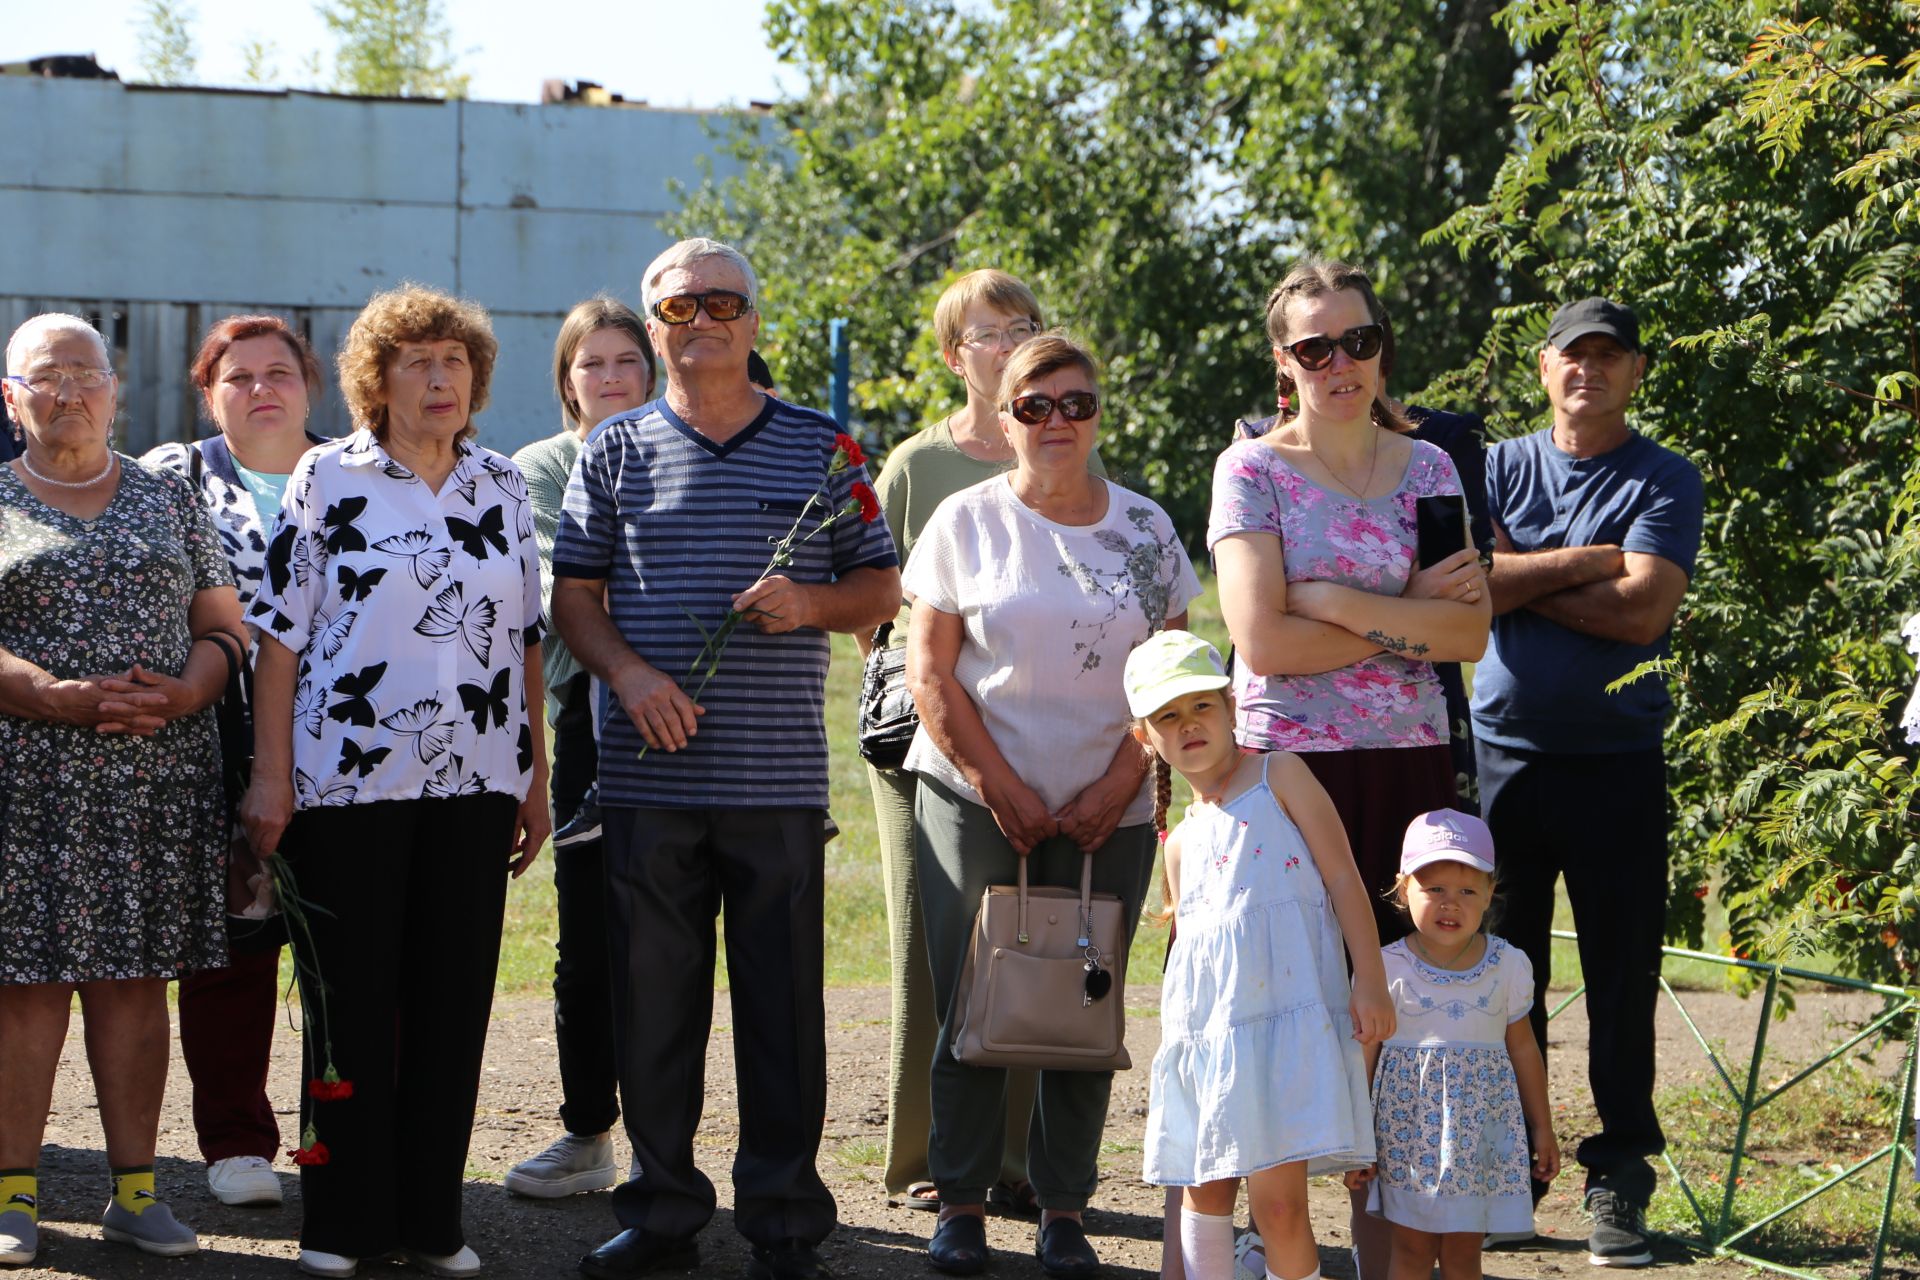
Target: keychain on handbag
[1099,981]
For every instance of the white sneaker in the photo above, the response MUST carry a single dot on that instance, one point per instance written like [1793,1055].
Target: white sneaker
[453,1265]
[335,1266]
[244,1180]
[568,1167]
[1249,1259]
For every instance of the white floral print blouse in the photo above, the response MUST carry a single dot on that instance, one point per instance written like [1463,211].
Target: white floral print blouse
[411,612]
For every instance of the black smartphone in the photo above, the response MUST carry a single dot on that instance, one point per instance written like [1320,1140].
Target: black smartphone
[1440,523]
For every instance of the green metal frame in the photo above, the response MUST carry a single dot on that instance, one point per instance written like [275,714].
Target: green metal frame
[1717,1233]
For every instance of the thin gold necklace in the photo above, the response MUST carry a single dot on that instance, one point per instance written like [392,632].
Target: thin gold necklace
[1373,460]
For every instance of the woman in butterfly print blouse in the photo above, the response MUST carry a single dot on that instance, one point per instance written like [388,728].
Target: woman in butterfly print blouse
[399,762]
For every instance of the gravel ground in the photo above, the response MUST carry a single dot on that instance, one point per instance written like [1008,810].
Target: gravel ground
[520,1095]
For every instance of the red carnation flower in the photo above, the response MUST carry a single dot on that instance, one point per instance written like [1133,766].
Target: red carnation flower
[314,1153]
[329,1090]
[848,445]
[869,504]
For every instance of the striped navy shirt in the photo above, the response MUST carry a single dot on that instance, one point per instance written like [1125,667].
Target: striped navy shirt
[677,526]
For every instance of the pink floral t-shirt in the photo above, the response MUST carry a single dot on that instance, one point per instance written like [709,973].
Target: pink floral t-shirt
[1381,701]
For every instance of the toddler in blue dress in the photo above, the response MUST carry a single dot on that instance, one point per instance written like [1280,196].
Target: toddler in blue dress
[1260,1073]
[1459,1086]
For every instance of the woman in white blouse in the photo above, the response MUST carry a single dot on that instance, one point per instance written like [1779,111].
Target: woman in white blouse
[1029,590]
[400,767]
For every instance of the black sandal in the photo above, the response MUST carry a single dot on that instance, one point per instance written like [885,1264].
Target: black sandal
[1064,1251]
[959,1245]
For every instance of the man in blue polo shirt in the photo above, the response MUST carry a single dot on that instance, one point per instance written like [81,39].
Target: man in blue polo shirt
[1597,529]
[669,520]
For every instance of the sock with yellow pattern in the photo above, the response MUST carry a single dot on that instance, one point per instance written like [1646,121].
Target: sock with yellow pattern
[133,1189]
[20,1192]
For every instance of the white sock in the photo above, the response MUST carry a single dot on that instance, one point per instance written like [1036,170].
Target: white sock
[1206,1245]
[1311,1275]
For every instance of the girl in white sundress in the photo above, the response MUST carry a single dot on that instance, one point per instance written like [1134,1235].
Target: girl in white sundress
[1460,1086]
[1260,1073]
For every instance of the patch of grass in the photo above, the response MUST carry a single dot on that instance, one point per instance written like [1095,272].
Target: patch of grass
[1810,1133]
[860,1153]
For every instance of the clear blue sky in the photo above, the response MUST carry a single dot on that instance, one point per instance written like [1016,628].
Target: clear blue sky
[672,53]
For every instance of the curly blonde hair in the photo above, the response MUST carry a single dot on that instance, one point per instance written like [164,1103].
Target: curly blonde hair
[412,313]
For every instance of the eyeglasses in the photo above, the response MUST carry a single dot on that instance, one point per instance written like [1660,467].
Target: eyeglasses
[1362,343]
[721,304]
[987,335]
[47,381]
[1075,406]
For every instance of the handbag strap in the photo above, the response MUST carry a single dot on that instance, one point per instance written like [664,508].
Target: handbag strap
[1086,900]
[1023,900]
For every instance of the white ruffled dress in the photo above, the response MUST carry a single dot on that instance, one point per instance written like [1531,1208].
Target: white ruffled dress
[1257,1064]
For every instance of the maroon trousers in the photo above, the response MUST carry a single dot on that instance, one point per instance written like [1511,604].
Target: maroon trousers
[226,1036]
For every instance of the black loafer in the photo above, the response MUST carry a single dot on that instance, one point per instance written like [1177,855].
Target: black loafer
[787,1260]
[959,1245]
[637,1253]
[1063,1250]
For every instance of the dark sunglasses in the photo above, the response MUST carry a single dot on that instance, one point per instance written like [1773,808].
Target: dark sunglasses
[721,304]
[1075,406]
[1362,343]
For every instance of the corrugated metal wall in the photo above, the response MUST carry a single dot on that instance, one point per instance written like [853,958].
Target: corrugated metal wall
[156,212]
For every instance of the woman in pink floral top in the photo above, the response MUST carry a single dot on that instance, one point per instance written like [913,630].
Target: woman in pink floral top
[1313,533]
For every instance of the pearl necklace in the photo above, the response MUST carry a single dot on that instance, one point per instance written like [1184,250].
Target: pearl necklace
[33,471]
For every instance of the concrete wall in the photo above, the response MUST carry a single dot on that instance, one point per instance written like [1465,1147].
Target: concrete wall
[158,211]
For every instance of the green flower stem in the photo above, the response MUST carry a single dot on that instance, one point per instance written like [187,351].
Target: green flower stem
[706,663]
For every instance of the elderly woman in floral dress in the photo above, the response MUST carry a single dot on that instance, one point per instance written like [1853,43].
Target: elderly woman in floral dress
[118,621]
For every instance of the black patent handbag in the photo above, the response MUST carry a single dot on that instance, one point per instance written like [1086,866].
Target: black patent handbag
[888,717]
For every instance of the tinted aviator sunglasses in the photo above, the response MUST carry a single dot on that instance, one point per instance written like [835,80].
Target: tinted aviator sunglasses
[1075,406]
[721,304]
[1362,343]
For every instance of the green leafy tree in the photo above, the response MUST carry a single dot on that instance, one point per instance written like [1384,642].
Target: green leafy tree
[167,54]
[1684,158]
[393,48]
[259,61]
[1356,129]
[1149,168]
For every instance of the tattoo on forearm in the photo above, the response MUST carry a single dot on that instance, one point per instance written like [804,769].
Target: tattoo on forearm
[1395,644]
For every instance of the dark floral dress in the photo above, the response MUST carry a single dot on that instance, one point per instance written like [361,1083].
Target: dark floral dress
[111,846]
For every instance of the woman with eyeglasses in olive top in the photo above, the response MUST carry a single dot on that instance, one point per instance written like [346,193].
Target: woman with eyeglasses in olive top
[1029,590]
[981,320]
[602,367]
[1335,630]
[115,606]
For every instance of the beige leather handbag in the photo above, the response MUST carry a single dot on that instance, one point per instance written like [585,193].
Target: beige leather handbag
[1043,982]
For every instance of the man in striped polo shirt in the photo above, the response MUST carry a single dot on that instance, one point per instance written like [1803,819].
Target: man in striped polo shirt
[670,518]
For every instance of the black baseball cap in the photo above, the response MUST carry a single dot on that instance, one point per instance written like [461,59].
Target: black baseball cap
[1594,315]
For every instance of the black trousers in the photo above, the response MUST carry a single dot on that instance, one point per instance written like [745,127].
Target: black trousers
[407,898]
[1601,821]
[583,966]
[669,872]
